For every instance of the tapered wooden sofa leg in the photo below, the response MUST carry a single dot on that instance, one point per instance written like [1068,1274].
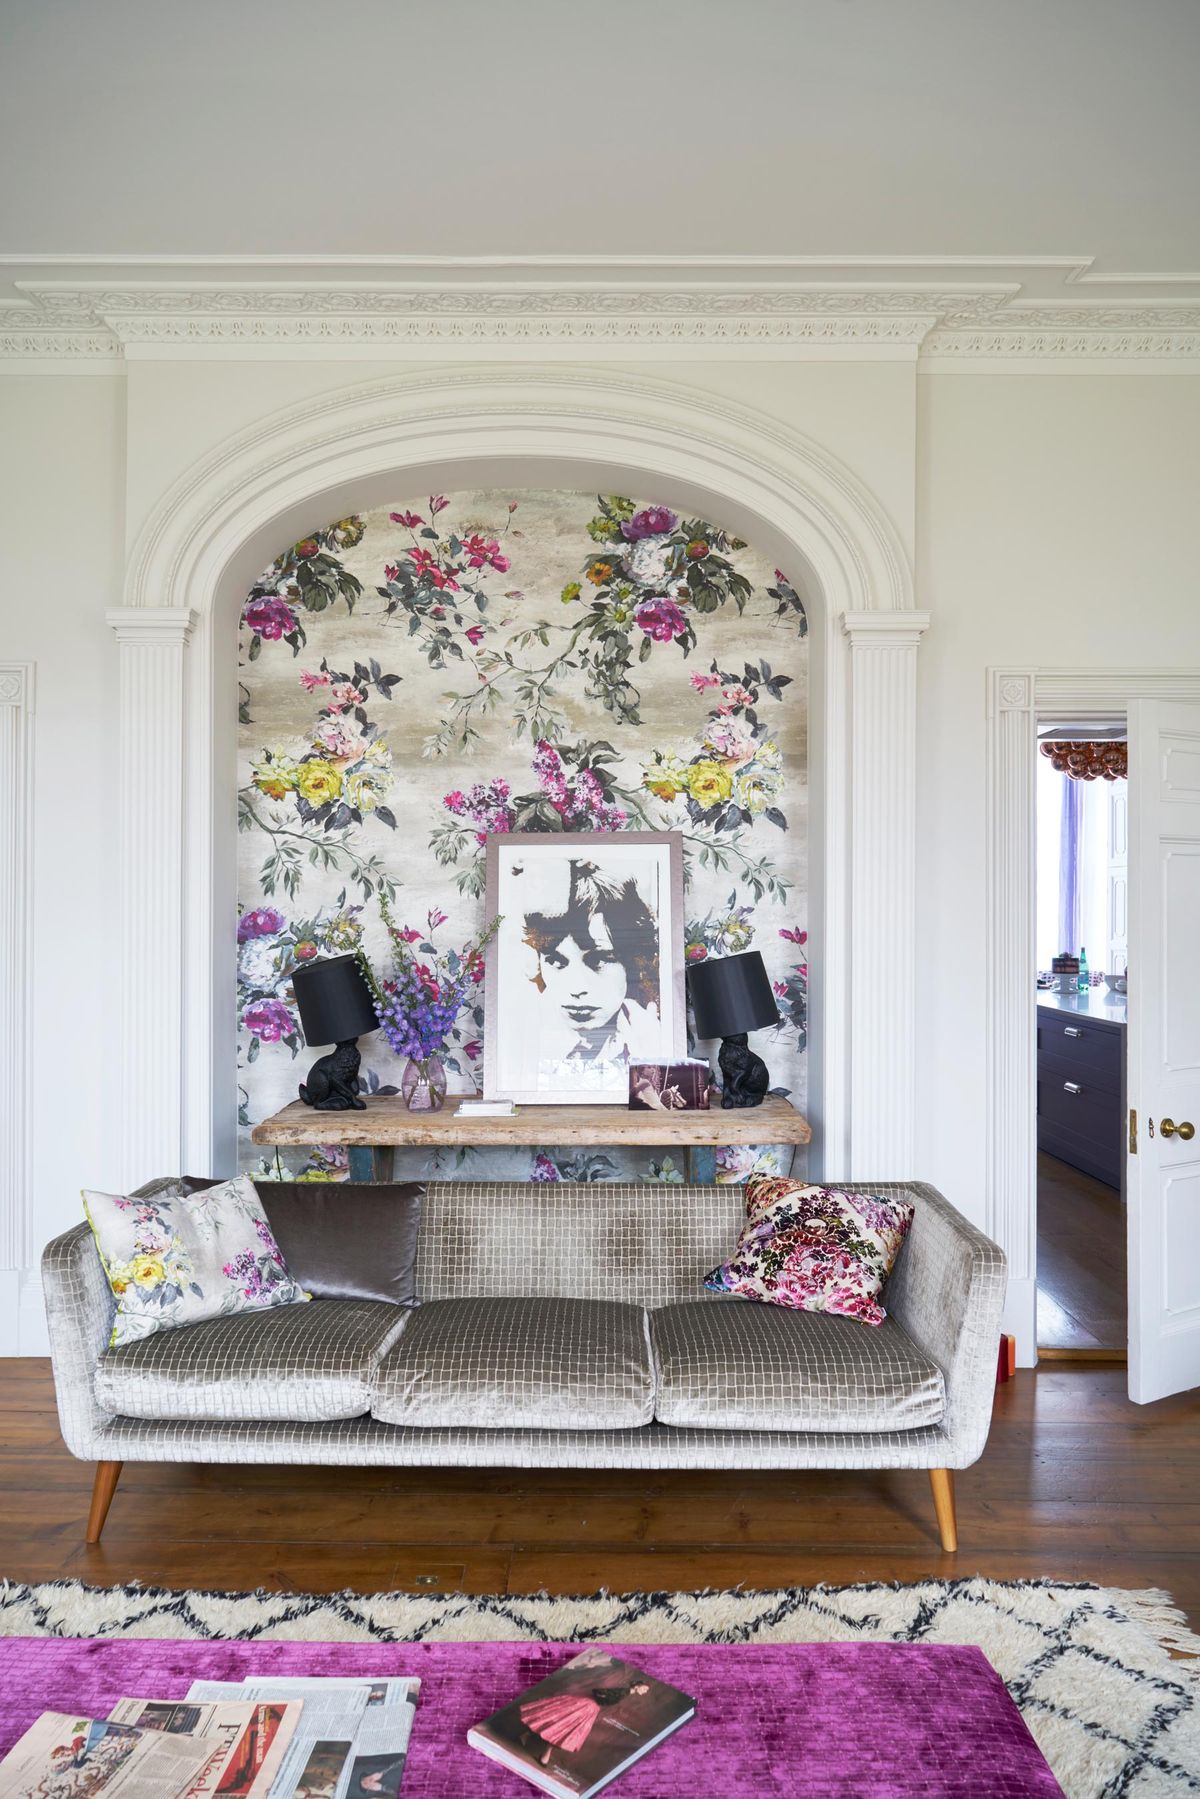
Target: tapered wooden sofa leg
[942,1482]
[103,1488]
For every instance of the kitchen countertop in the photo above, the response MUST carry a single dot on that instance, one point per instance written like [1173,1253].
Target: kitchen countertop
[1097,1003]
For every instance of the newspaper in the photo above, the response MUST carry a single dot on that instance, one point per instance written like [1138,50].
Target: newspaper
[353,1736]
[245,1741]
[68,1757]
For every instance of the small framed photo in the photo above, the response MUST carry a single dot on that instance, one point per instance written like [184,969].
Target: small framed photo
[585,974]
[670,1086]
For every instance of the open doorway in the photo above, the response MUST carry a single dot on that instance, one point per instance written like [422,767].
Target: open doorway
[1082,963]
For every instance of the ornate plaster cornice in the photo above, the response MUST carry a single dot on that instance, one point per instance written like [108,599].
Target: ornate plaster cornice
[929,316]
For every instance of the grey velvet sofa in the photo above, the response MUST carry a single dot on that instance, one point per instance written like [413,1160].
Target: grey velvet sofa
[558,1326]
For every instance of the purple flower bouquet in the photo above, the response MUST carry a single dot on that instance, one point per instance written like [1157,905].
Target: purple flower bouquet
[418,1004]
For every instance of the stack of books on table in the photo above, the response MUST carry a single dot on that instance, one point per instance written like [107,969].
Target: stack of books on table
[254,1739]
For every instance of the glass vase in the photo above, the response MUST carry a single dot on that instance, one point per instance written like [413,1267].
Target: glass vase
[423,1084]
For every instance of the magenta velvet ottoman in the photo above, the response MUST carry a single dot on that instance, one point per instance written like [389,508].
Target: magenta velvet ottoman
[791,1718]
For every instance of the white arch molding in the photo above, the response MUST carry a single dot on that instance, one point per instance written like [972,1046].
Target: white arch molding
[225,520]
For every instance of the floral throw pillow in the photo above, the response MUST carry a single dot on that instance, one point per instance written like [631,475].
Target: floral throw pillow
[174,1258]
[815,1249]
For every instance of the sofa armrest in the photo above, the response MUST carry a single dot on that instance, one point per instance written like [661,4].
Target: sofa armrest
[79,1316]
[947,1291]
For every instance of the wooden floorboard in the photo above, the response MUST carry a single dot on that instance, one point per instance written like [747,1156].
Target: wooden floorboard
[1081,1259]
[1076,1484]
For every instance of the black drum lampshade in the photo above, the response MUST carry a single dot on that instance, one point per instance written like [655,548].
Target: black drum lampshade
[731,996]
[335,1007]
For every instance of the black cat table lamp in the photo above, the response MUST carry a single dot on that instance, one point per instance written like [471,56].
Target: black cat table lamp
[732,995]
[335,1007]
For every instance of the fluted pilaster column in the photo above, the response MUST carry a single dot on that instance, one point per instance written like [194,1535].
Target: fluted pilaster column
[881,739]
[153,647]
[16,948]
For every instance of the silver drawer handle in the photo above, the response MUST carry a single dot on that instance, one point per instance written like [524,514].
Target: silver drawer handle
[1072,1087]
[1070,1030]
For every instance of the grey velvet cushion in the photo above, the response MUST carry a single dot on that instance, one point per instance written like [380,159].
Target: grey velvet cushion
[344,1239]
[299,1362]
[736,1364]
[564,1364]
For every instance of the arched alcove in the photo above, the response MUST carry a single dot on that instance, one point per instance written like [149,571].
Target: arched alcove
[223,521]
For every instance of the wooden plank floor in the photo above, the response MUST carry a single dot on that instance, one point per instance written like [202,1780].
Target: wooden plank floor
[1080,1260]
[1076,1484]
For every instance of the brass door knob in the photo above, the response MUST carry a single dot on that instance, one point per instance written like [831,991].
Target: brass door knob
[1169,1128]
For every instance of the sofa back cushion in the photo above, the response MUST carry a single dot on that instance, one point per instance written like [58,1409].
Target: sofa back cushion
[343,1239]
[650,1245]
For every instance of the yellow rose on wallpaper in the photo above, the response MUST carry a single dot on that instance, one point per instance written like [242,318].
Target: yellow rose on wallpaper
[362,791]
[665,776]
[275,776]
[319,781]
[709,783]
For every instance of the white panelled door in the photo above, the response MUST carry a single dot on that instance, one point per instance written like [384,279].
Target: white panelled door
[1164,1048]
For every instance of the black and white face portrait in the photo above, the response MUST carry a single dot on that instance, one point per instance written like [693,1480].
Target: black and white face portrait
[584,961]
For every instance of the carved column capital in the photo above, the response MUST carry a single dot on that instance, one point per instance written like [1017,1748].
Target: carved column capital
[152,624]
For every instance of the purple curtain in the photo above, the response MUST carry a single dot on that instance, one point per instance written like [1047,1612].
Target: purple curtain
[1068,884]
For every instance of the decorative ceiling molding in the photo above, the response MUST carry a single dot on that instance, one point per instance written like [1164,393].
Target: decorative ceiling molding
[722,307]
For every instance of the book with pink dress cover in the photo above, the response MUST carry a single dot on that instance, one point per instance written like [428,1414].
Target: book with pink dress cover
[583,1725]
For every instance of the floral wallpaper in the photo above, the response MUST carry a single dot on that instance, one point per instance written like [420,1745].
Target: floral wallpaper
[414,677]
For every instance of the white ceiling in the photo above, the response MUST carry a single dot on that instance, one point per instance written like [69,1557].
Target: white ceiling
[449,128]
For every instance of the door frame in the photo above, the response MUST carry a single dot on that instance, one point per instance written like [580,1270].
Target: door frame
[1015,698]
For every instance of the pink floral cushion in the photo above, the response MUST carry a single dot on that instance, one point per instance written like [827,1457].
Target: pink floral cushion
[815,1249]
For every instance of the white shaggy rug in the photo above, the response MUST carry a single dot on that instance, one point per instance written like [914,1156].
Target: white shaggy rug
[1113,1711]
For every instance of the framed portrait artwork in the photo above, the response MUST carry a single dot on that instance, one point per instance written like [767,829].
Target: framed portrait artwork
[585,974]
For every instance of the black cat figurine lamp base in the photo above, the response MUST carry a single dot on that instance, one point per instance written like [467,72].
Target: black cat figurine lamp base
[335,1007]
[731,996]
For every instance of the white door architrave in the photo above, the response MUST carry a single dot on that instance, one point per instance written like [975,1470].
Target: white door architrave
[1015,698]
[225,520]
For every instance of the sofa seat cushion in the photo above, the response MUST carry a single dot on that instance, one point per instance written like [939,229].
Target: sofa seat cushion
[529,1364]
[736,1364]
[301,1362]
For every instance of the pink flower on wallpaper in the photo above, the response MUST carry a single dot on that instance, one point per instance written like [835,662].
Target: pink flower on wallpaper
[661,619]
[475,634]
[651,521]
[259,921]
[346,694]
[438,503]
[408,935]
[793,936]
[425,563]
[473,1050]
[437,917]
[270,617]
[269,1020]
[734,696]
[340,737]
[310,681]
[779,988]
[481,552]
[543,1168]
[411,519]
[703,682]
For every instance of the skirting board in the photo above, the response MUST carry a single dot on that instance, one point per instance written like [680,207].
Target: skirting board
[1020,1320]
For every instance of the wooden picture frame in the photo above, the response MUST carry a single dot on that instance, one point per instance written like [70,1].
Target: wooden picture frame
[585,973]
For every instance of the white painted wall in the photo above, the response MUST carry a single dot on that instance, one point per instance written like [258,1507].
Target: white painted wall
[1052,532]
[1050,516]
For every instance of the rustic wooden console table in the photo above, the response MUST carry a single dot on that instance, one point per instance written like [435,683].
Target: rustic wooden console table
[387,1123]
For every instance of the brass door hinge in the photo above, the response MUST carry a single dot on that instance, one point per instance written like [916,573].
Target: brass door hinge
[1132,1132]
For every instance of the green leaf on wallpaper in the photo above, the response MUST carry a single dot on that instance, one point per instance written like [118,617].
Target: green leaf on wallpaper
[255,650]
[647,649]
[252,1052]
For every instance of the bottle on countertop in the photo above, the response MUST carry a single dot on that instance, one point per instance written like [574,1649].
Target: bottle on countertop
[1084,979]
